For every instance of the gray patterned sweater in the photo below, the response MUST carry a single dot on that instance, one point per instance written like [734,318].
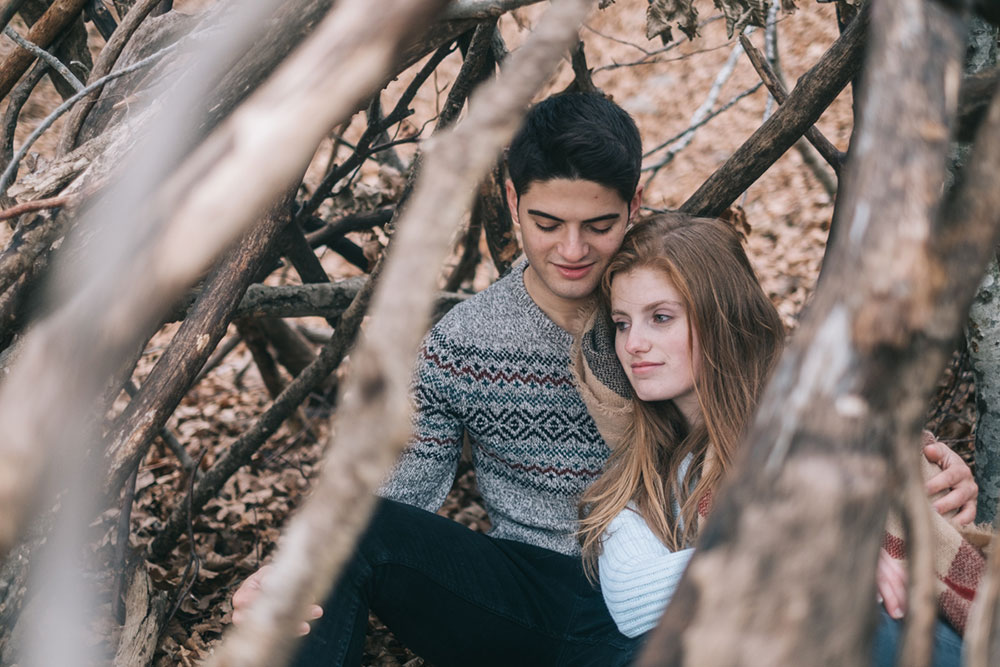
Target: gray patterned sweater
[498,368]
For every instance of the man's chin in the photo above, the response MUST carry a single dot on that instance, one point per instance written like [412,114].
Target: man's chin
[574,291]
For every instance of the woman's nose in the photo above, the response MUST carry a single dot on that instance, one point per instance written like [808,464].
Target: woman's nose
[635,341]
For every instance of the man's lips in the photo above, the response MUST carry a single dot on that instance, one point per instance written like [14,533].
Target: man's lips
[574,272]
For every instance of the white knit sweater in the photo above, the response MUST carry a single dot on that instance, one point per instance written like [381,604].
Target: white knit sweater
[638,573]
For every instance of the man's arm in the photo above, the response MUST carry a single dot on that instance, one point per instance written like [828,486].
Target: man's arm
[425,471]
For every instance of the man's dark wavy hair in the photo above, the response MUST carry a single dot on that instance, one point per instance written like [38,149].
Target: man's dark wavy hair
[578,136]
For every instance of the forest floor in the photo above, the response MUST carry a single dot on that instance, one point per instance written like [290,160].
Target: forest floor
[787,212]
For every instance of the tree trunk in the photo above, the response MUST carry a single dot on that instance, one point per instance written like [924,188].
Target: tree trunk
[983,329]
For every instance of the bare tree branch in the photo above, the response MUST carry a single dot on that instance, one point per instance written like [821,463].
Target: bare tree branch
[770,78]
[815,90]
[59,15]
[36,205]
[45,56]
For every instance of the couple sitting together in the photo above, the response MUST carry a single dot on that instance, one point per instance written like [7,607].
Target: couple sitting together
[604,385]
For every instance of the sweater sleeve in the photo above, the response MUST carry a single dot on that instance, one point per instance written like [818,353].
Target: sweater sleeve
[638,573]
[425,471]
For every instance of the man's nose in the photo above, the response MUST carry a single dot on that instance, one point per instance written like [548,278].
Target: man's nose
[573,246]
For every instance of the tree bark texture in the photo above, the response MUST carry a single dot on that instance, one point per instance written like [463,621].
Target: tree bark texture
[372,423]
[983,339]
[145,613]
[843,413]
[815,90]
[983,328]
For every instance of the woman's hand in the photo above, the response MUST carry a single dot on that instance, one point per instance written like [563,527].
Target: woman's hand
[248,591]
[891,581]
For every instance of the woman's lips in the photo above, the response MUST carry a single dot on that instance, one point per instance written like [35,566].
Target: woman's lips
[644,367]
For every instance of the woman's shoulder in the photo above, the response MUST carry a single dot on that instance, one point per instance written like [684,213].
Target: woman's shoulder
[630,520]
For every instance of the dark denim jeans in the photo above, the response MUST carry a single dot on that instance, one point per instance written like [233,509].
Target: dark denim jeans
[947,642]
[457,597]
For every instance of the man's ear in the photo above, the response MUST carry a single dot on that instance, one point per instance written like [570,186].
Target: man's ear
[511,200]
[633,206]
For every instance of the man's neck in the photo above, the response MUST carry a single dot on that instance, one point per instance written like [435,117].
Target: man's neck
[568,314]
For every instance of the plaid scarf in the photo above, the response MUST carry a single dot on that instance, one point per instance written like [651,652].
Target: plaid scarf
[959,555]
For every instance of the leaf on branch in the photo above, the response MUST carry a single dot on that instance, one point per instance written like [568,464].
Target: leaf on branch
[741,13]
[660,13]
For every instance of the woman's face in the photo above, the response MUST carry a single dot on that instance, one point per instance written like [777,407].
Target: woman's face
[652,339]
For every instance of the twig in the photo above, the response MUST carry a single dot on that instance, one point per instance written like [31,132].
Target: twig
[674,151]
[45,56]
[194,562]
[713,95]
[7,10]
[98,14]
[362,151]
[647,60]
[771,79]
[655,52]
[770,47]
[121,547]
[477,66]
[17,98]
[221,352]
[36,205]
[11,170]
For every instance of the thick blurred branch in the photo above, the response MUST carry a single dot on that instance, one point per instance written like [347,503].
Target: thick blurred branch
[372,423]
[843,412]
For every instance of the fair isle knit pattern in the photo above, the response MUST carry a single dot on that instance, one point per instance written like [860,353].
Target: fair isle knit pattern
[496,367]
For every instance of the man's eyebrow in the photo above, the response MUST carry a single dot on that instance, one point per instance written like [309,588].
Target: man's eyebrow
[549,216]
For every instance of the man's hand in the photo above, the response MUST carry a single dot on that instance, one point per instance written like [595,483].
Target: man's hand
[891,581]
[955,478]
[250,589]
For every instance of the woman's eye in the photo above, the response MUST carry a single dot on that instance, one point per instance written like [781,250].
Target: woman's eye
[621,326]
[662,318]
[601,230]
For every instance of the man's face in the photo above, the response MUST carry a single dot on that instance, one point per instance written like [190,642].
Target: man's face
[570,230]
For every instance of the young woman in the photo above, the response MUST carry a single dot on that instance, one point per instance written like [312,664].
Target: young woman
[697,339]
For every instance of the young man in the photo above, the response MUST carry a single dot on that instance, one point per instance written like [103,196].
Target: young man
[496,369]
